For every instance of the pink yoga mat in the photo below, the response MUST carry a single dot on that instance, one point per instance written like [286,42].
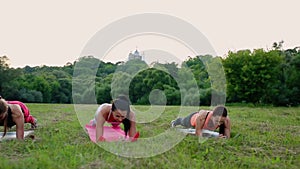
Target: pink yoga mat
[109,133]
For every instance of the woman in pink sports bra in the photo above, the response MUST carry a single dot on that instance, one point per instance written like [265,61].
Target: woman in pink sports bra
[116,113]
[209,120]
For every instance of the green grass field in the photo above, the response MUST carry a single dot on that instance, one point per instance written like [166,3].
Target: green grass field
[262,137]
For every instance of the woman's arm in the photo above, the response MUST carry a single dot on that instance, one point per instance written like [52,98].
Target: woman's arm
[227,127]
[199,124]
[132,130]
[18,118]
[100,120]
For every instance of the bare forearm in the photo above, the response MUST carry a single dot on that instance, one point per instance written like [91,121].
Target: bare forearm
[198,132]
[132,131]
[20,132]
[20,136]
[227,127]
[19,127]
[99,132]
[199,125]
[227,133]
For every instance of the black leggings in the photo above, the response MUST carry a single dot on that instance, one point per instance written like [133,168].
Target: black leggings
[186,121]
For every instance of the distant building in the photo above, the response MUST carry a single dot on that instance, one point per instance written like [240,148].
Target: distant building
[135,55]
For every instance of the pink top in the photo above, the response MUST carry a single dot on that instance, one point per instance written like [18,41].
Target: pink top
[205,126]
[110,119]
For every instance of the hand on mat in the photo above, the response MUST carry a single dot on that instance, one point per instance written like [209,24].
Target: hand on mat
[101,139]
[222,136]
[135,137]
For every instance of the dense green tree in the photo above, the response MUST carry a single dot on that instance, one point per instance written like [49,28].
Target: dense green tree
[148,80]
[132,67]
[251,76]
[287,87]
[7,77]
[266,77]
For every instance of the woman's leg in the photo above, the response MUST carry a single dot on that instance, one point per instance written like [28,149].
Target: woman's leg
[176,122]
[28,118]
[186,121]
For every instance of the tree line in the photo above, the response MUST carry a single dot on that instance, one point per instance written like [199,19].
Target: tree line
[259,76]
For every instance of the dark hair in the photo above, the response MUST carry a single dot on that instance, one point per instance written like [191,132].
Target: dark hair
[3,109]
[220,111]
[122,103]
[124,97]
[222,129]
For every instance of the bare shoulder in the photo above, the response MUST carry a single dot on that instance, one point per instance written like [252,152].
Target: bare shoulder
[228,119]
[132,116]
[16,110]
[104,109]
[203,113]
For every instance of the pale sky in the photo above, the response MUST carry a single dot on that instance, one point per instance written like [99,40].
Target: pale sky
[52,33]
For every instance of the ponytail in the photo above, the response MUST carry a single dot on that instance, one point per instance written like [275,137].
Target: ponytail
[5,126]
[122,103]
[126,123]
